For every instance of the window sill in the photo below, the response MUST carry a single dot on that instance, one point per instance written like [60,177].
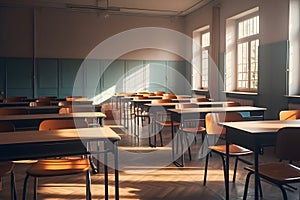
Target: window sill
[292,96]
[242,93]
[200,90]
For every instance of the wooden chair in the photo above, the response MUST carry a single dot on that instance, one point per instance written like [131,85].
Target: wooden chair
[163,120]
[281,173]
[59,167]
[194,127]
[213,129]
[6,168]
[289,114]
[139,114]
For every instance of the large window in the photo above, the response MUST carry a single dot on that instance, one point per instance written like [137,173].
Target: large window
[247,53]
[201,51]
[242,41]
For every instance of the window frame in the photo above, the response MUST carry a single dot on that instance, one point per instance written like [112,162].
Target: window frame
[248,40]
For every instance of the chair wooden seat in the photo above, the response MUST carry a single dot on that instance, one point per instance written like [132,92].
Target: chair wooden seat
[279,172]
[196,130]
[234,150]
[58,167]
[6,168]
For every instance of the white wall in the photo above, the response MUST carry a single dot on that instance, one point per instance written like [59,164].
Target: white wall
[273,18]
[62,33]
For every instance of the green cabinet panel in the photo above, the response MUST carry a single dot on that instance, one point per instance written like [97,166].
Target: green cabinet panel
[71,77]
[176,79]
[156,76]
[47,77]
[92,74]
[133,77]
[113,74]
[19,77]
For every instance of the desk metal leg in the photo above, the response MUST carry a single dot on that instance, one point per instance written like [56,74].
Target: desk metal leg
[116,155]
[256,182]
[227,171]
[105,173]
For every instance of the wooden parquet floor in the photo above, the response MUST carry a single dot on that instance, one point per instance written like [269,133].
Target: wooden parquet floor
[142,177]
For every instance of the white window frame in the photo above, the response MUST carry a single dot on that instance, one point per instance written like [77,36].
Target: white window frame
[200,78]
[231,55]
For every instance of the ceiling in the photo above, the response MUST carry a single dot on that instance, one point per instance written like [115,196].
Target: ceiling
[143,7]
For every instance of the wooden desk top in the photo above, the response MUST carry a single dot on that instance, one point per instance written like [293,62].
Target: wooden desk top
[262,126]
[53,116]
[210,103]
[87,134]
[217,109]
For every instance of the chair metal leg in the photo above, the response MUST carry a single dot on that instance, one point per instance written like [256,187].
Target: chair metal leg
[205,169]
[25,186]
[247,185]
[13,192]
[88,185]
[235,168]
[35,188]
[283,192]
[160,136]
[187,142]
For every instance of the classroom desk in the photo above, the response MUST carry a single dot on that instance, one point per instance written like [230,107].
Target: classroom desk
[153,108]
[13,104]
[33,120]
[253,135]
[180,115]
[55,109]
[35,144]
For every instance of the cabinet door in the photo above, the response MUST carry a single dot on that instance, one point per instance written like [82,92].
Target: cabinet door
[176,78]
[47,77]
[19,77]
[156,76]
[69,73]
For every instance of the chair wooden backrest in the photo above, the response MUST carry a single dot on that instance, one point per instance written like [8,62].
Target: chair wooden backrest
[39,103]
[14,99]
[287,144]
[64,103]
[289,114]
[186,105]
[159,93]
[46,99]
[232,104]
[169,96]
[140,97]
[73,109]
[6,127]
[212,120]
[54,124]
[157,101]
[13,111]
[201,99]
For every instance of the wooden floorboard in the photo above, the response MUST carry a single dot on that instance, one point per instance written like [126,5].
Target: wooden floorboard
[142,178]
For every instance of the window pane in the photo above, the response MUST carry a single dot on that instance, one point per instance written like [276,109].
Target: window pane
[205,40]
[204,70]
